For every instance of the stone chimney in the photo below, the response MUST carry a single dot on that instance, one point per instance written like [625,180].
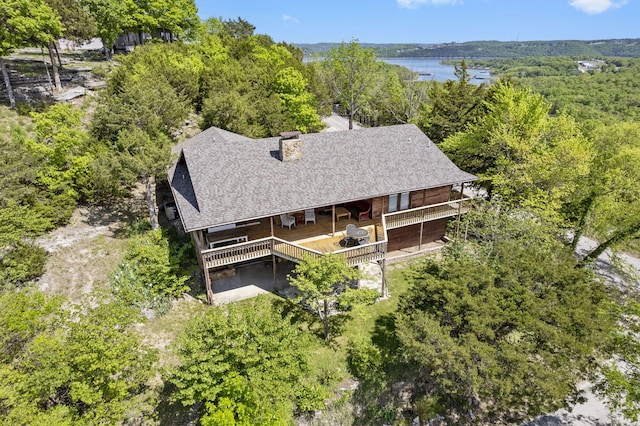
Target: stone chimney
[290,146]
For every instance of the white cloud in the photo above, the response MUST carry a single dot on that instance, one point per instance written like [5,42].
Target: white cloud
[593,7]
[413,4]
[289,18]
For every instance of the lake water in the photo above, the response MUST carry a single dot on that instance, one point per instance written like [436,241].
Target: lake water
[432,69]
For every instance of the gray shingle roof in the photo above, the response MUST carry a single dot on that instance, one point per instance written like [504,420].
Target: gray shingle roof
[222,177]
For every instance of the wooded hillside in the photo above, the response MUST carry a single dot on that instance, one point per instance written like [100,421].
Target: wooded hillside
[497,49]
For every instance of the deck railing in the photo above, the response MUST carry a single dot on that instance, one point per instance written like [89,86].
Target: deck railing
[369,252]
[256,249]
[235,253]
[426,213]
[290,251]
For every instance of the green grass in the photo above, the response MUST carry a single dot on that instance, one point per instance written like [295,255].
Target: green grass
[162,332]
[11,121]
[328,360]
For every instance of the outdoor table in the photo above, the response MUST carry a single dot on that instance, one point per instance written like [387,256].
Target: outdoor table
[357,234]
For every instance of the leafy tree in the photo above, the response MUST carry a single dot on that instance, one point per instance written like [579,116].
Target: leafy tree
[520,153]
[290,86]
[607,205]
[147,157]
[401,99]
[353,74]
[24,23]
[85,369]
[61,146]
[608,95]
[179,17]
[145,102]
[248,365]
[620,379]
[22,263]
[452,106]
[258,88]
[78,25]
[502,332]
[25,315]
[112,17]
[181,65]
[136,125]
[317,278]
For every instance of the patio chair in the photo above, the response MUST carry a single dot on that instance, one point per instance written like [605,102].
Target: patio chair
[286,220]
[309,216]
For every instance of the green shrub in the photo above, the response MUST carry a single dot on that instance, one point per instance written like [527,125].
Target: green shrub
[130,290]
[99,71]
[153,272]
[23,263]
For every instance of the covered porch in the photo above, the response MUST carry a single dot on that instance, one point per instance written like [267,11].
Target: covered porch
[264,238]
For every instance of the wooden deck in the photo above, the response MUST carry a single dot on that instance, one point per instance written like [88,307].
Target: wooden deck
[316,236]
[324,236]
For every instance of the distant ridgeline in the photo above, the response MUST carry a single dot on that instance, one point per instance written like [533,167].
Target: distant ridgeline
[496,49]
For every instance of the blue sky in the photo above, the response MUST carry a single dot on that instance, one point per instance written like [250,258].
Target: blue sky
[432,21]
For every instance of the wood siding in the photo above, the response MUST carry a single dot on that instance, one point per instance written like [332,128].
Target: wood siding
[437,195]
[409,236]
[420,198]
[377,207]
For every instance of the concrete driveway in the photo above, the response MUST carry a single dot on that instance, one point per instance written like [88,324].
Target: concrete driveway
[336,123]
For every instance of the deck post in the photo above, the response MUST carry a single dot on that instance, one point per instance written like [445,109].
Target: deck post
[459,210]
[273,256]
[207,283]
[333,219]
[273,265]
[383,286]
[198,248]
[421,230]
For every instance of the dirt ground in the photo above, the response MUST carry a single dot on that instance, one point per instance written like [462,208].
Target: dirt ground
[84,252]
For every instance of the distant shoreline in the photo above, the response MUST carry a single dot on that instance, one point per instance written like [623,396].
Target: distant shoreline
[494,49]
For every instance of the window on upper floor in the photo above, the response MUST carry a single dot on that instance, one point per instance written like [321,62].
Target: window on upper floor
[398,202]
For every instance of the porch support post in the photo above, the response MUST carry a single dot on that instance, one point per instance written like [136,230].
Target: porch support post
[207,283]
[333,219]
[273,256]
[459,210]
[421,232]
[383,287]
[197,246]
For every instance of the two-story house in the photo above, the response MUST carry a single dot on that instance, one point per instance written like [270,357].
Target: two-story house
[360,193]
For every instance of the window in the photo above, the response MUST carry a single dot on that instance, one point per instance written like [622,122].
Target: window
[404,201]
[398,202]
[393,203]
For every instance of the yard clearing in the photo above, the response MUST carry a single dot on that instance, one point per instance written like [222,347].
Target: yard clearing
[83,253]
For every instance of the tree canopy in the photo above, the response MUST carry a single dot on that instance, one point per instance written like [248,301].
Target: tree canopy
[317,279]
[452,106]
[352,74]
[498,330]
[520,153]
[62,368]
[247,365]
